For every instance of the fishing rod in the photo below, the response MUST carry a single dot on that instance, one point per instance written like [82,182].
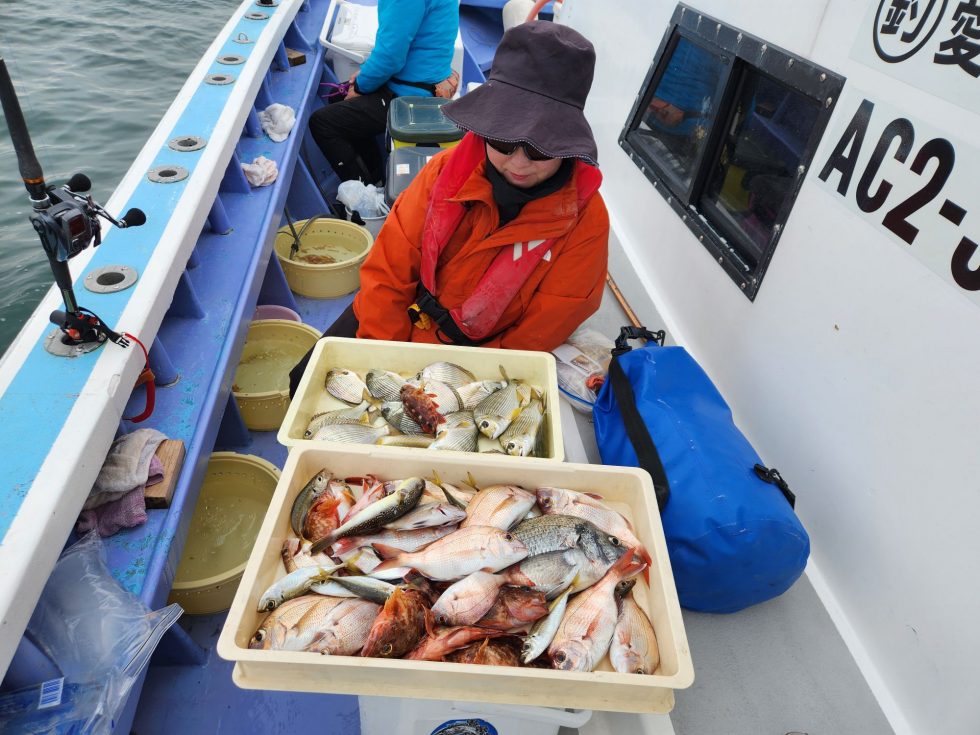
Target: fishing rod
[66,220]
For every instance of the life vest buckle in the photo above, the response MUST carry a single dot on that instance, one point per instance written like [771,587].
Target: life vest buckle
[418,317]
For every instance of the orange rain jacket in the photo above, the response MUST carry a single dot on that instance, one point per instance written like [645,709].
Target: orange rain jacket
[561,293]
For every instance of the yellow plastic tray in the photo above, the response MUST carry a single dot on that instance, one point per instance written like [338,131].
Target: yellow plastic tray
[361,355]
[628,490]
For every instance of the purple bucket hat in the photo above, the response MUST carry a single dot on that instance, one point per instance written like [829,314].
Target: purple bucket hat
[541,75]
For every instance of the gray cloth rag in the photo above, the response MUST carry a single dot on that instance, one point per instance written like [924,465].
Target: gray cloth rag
[126,466]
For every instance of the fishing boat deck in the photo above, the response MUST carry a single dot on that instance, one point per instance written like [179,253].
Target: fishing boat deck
[777,667]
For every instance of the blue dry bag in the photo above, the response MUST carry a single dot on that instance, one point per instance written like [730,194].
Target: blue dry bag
[732,535]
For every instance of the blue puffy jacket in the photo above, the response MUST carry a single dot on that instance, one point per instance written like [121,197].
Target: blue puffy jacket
[414,43]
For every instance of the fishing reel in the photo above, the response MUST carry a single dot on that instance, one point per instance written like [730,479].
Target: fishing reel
[71,222]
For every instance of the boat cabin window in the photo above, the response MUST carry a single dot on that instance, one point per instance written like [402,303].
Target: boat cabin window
[725,127]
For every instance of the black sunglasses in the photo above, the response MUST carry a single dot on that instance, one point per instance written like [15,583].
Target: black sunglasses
[508,148]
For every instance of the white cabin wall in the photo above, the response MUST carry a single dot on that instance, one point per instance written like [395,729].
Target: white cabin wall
[854,371]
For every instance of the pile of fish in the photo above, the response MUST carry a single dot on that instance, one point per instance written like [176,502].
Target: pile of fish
[421,569]
[443,406]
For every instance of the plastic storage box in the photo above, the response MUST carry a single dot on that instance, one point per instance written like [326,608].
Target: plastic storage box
[419,121]
[404,164]
[628,490]
[407,358]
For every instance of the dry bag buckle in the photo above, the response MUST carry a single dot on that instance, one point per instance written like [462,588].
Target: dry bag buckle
[628,333]
[419,318]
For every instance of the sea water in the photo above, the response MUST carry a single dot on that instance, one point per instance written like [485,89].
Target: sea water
[93,78]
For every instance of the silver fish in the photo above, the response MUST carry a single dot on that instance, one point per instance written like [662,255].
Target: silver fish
[418,441]
[331,589]
[359,414]
[473,393]
[446,372]
[553,533]
[345,385]
[377,514]
[375,590]
[559,501]
[384,384]
[543,632]
[394,414]
[496,412]
[293,585]
[521,438]
[551,573]
[426,515]
[351,433]
[313,489]
[459,433]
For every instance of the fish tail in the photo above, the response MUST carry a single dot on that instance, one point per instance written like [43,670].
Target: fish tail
[323,543]
[391,556]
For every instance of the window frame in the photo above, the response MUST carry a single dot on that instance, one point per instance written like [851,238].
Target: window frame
[745,53]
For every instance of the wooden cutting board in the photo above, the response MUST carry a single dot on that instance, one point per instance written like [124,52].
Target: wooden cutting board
[171,454]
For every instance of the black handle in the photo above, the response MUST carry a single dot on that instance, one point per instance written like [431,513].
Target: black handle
[636,430]
[628,333]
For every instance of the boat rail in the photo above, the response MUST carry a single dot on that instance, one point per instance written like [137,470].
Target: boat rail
[202,268]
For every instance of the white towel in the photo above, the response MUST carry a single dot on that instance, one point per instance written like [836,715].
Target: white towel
[261,171]
[277,120]
[126,466]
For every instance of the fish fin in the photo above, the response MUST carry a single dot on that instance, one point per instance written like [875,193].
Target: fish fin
[471,481]
[503,373]
[430,625]
[645,555]
[596,496]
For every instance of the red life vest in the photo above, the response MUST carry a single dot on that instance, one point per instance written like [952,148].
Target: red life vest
[478,315]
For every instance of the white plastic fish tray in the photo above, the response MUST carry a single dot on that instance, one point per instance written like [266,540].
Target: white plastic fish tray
[627,490]
[408,358]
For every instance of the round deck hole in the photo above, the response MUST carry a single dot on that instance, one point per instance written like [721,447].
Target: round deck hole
[110,279]
[219,79]
[167,174]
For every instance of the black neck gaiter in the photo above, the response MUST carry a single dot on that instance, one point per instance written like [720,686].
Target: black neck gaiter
[511,199]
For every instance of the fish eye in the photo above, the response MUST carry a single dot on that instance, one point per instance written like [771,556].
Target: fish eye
[508,537]
[545,502]
[639,671]
[259,636]
[560,657]
[386,649]
[614,541]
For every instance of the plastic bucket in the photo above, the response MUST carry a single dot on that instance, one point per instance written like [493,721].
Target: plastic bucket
[328,261]
[372,224]
[261,387]
[274,311]
[234,498]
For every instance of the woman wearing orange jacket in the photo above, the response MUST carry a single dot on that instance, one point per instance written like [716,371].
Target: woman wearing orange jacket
[502,240]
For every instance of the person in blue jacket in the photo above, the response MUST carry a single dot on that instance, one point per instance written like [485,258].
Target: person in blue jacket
[413,52]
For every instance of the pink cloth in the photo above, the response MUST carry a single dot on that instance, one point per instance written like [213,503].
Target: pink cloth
[109,518]
[128,511]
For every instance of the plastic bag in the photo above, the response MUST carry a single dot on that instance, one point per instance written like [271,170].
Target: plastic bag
[50,708]
[581,363]
[365,199]
[95,631]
